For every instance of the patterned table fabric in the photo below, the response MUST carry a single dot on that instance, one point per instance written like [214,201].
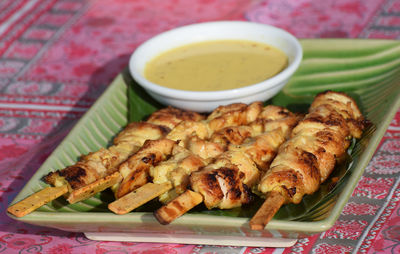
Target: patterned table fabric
[58,56]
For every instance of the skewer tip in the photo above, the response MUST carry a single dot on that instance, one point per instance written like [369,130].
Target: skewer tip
[36,200]
[178,206]
[267,210]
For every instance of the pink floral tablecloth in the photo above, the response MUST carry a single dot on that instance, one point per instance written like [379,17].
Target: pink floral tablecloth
[58,56]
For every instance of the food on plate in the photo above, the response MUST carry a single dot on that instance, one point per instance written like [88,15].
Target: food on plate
[98,170]
[309,156]
[184,159]
[216,65]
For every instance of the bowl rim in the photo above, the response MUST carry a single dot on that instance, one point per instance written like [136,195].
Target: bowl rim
[264,85]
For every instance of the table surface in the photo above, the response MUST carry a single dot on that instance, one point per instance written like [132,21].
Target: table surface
[58,56]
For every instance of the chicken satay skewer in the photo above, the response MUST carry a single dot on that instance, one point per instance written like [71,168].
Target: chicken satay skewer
[96,171]
[183,161]
[309,156]
[225,183]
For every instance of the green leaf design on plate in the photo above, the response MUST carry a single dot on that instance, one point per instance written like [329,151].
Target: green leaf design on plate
[368,70]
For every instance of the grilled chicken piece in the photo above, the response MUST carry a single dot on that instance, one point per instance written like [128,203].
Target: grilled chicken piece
[309,156]
[262,149]
[103,162]
[171,117]
[176,170]
[205,149]
[221,187]
[232,135]
[186,129]
[273,117]
[219,141]
[138,132]
[222,184]
[345,106]
[135,170]
[233,115]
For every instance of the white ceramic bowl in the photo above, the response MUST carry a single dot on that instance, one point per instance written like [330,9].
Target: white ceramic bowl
[222,30]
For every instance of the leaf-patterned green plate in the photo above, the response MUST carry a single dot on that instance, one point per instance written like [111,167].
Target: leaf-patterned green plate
[369,70]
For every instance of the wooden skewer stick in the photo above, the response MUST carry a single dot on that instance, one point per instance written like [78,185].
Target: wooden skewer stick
[93,188]
[178,206]
[139,197]
[48,194]
[268,209]
[36,200]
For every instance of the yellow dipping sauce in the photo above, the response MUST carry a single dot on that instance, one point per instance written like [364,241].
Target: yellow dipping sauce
[216,65]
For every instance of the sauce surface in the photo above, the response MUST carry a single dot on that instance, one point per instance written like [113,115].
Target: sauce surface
[216,65]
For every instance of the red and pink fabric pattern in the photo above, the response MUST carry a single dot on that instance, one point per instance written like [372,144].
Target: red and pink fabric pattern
[58,56]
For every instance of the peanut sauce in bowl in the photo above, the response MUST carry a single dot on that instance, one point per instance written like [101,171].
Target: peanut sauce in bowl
[202,66]
[216,65]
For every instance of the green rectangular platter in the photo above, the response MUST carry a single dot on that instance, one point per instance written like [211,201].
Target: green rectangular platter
[368,70]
